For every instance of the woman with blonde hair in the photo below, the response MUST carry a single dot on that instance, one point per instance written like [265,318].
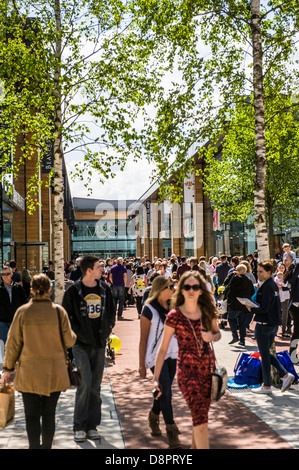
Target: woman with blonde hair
[193,320]
[249,271]
[151,330]
[34,350]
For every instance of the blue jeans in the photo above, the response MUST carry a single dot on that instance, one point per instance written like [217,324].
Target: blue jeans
[237,320]
[163,404]
[4,327]
[119,295]
[265,335]
[91,361]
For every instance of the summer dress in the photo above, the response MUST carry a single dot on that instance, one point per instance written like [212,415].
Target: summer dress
[193,372]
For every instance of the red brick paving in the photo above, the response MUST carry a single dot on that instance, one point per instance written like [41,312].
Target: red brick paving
[231,424]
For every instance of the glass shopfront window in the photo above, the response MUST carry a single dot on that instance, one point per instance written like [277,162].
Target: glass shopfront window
[236,238]
[103,238]
[7,232]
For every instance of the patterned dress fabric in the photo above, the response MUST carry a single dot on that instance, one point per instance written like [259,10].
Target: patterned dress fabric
[193,371]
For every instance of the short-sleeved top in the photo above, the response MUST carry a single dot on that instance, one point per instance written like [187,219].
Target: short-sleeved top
[92,297]
[188,355]
[117,272]
[139,285]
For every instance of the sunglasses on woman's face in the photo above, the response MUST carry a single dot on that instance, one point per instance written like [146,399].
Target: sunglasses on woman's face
[170,287]
[195,287]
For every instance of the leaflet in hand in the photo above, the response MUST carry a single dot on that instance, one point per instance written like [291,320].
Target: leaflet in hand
[248,302]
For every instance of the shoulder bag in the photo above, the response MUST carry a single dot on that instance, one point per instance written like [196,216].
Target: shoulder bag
[73,371]
[219,374]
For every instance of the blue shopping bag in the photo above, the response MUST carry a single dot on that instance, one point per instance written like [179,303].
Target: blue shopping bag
[248,370]
[285,359]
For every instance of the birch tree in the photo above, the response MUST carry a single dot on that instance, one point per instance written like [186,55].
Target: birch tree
[55,83]
[230,180]
[213,53]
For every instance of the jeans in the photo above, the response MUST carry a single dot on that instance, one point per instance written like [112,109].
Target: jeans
[237,320]
[265,335]
[4,327]
[119,295]
[294,311]
[40,419]
[91,361]
[163,404]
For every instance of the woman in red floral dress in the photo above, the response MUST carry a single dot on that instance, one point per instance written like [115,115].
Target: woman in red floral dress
[193,319]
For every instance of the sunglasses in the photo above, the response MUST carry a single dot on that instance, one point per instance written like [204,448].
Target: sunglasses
[195,287]
[170,287]
[6,274]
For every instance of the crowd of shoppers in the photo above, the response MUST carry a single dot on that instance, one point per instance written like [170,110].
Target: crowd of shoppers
[176,301]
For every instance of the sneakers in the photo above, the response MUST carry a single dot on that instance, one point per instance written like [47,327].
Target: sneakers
[287,382]
[80,436]
[241,343]
[262,389]
[93,434]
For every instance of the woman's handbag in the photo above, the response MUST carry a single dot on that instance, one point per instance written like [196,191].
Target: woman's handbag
[7,405]
[219,379]
[73,371]
[219,374]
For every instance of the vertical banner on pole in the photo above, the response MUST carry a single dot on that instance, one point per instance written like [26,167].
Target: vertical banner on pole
[216,220]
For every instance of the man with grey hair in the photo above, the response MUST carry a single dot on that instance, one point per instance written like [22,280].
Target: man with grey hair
[118,278]
[239,286]
[12,296]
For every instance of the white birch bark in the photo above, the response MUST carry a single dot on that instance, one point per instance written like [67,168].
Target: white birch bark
[58,176]
[260,140]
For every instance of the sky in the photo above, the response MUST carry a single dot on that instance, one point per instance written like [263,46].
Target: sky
[128,184]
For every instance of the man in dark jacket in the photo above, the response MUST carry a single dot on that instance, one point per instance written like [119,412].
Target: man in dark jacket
[292,277]
[12,296]
[222,270]
[90,307]
[240,286]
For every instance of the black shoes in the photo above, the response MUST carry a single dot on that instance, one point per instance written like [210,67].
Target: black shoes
[234,340]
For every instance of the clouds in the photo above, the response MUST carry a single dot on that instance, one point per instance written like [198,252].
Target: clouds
[128,184]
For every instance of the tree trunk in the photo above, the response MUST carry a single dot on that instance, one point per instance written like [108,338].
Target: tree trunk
[260,141]
[270,228]
[58,177]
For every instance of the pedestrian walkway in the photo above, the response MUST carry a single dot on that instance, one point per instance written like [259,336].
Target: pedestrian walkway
[240,420]
[14,436]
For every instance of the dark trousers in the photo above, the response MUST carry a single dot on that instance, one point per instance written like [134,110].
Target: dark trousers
[265,335]
[139,304]
[164,404]
[237,320]
[40,419]
[119,296]
[294,312]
